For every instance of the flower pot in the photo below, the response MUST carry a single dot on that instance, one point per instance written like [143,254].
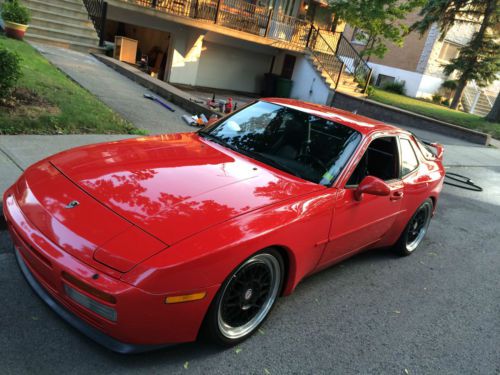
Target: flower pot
[15,30]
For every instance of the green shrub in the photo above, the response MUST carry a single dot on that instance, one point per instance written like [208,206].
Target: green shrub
[10,71]
[13,11]
[437,98]
[395,87]
[370,90]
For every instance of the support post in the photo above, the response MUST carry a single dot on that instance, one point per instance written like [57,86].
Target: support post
[269,19]
[308,42]
[340,74]
[104,16]
[217,11]
[154,3]
[196,9]
[368,78]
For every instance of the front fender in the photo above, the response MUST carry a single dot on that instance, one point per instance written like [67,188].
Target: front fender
[298,226]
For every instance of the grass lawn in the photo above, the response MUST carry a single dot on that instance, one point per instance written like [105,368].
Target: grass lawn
[48,102]
[437,111]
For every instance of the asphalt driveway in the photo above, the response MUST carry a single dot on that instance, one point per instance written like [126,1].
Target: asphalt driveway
[435,312]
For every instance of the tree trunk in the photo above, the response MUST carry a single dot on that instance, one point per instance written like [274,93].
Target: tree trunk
[462,83]
[494,115]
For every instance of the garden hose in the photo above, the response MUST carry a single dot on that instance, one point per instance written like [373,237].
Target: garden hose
[464,182]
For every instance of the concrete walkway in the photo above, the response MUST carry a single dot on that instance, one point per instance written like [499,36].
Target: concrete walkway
[121,94]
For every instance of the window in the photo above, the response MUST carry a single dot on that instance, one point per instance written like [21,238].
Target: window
[409,160]
[449,51]
[360,37]
[307,146]
[383,80]
[380,160]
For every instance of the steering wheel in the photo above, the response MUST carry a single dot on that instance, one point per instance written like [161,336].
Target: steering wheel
[303,157]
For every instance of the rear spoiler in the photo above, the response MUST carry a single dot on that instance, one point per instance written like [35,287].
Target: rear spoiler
[439,148]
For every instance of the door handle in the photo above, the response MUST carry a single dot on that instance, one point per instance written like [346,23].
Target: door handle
[397,196]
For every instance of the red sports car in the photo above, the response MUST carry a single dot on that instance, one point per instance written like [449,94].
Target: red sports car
[151,241]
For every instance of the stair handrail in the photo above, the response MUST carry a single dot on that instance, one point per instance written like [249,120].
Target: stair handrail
[344,46]
[98,10]
[312,41]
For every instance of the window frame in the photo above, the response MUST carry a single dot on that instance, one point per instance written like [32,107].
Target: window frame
[400,138]
[363,151]
[446,44]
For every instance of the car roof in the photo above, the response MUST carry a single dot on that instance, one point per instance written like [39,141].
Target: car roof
[362,124]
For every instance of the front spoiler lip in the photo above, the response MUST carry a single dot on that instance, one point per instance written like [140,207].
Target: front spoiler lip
[91,332]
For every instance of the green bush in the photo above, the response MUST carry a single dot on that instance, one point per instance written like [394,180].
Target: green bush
[10,71]
[13,11]
[370,90]
[437,98]
[395,87]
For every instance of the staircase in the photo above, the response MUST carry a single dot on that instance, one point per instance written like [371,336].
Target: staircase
[62,23]
[340,65]
[477,101]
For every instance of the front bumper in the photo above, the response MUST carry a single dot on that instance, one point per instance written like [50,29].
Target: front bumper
[73,320]
[144,321]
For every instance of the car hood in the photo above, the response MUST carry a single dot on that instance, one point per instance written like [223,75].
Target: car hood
[173,186]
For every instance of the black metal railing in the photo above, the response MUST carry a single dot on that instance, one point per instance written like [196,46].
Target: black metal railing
[237,15]
[97,10]
[323,50]
[354,62]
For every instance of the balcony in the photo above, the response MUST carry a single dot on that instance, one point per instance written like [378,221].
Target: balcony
[237,18]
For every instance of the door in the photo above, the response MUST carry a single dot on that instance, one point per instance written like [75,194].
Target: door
[359,224]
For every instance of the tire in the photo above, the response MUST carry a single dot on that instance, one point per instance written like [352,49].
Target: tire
[415,230]
[245,299]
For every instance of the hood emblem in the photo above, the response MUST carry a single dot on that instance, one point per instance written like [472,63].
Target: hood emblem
[72,204]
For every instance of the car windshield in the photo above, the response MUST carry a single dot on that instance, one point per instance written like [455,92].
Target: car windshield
[307,146]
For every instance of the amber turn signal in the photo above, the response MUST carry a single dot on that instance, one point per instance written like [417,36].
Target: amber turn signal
[185,297]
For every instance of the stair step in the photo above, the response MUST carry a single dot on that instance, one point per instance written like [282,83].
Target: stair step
[36,5]
[77,46]
[67,4]
[63,35]
[64,26]
[81,20]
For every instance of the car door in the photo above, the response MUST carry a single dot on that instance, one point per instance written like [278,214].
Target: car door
[359,224]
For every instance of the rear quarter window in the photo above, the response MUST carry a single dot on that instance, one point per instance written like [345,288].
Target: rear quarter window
[409,160]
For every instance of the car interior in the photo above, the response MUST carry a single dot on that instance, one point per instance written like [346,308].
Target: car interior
[381,160]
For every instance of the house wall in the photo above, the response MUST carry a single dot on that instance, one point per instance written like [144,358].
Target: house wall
[406,57]
[308,85]
[460,34]
[226,67]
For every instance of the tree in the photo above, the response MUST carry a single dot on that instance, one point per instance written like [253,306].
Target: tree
[381,21]
[479,59]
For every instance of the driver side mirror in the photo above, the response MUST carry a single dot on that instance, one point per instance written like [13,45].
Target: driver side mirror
[371,185]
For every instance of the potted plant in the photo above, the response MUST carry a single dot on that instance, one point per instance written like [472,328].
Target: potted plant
[16,18]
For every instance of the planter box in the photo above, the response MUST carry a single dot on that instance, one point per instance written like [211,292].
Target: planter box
[15,30]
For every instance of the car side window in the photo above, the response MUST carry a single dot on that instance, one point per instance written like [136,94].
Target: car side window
[409,161]
[380,160]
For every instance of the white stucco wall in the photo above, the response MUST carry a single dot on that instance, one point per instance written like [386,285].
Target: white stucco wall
[231,68]
[308,85]
[186,55]
[416,84]
[411,79]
